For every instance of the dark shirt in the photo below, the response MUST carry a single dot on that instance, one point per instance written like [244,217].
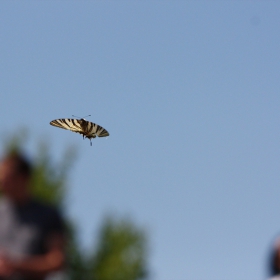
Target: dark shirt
[25,229]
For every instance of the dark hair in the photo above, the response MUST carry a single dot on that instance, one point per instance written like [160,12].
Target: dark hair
[20,163]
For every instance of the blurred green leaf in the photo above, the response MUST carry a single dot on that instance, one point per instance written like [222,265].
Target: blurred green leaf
[121,252]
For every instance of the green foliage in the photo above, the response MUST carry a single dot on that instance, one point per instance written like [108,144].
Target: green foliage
[121,252]
[77,262]
[49,180]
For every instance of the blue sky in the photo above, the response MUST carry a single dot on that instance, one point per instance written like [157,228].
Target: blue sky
[189,91]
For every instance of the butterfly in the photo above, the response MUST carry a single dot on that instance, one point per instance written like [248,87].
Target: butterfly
[87,129]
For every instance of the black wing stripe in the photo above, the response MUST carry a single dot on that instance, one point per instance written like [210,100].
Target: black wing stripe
[90,127]
[64,122]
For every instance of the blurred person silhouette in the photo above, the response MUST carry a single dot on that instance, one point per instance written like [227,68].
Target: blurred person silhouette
[32,234]
[274,261]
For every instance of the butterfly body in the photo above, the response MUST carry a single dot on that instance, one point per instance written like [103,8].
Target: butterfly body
[87,129]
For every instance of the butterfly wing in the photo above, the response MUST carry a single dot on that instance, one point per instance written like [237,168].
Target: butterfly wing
[92,130]
[69,124]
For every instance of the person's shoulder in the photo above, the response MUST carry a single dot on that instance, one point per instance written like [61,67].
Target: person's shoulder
[36,203]
[50,215]
[43,207]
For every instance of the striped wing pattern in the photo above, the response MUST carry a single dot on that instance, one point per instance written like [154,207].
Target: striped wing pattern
[69,124]
[86,128]
[92,129]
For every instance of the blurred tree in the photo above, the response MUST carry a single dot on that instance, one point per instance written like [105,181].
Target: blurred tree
[121,252]
[121,247]
[77,261]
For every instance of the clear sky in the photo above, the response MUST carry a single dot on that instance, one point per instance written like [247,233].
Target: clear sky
[189,91]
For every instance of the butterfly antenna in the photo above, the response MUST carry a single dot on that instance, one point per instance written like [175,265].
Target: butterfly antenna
[79,117]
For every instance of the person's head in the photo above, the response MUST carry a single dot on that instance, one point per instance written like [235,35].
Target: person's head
[15,174]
